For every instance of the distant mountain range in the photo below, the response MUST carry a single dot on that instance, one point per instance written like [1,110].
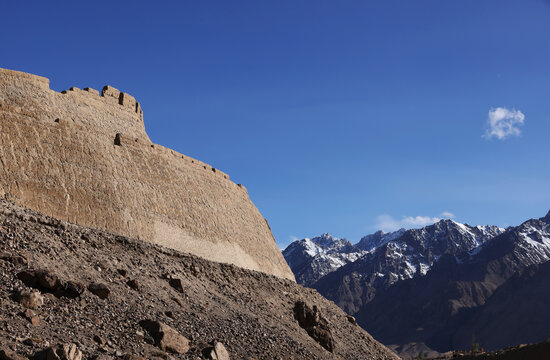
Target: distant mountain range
[440,286]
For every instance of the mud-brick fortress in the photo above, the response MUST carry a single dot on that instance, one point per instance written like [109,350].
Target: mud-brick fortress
[84,156]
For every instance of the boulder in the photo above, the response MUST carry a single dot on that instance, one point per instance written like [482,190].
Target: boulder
[99,289]
[30,299]
[217,352]
[64,352]
[351,319]
[32,317]
[133,283]
[176,284]
[6,354]
[47,279]
[166,338]
[72,289]
[317,327]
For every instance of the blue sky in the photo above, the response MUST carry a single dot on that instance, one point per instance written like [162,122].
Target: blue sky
[338,116]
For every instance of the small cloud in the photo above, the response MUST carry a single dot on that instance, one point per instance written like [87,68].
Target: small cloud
[388,223]
[283,245]
[503,123]
[447,215]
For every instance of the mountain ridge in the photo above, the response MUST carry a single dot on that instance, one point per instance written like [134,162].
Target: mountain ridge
[444,273]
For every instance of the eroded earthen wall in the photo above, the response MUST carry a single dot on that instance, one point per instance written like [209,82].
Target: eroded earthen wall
[84,156]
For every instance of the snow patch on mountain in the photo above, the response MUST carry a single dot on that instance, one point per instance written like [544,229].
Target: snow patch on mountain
[395,256]
[313,258]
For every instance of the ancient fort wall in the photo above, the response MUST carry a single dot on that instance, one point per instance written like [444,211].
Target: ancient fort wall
[84,156]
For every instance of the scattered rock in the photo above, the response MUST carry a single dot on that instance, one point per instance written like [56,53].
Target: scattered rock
[47,280]
[99,289]
[166,338]
[32,317]
[39,279]
[72,289]
[176,284]
[6,354]
[64,352]
[316,326]
[217,352]
[351,319]
[30,299]
[28,277]
[14,259]
[219,306]
[122,272]
[133,283]
[100,340]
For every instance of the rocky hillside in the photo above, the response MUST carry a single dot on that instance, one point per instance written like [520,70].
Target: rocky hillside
[71,292]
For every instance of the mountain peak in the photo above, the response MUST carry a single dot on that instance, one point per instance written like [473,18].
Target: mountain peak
[325,240]
[379,238]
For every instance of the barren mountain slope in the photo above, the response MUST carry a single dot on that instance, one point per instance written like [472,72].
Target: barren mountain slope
[251,313]
[496,296]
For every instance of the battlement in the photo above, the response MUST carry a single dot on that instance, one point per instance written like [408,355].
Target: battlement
[111,96]
[115,101]
[109,111]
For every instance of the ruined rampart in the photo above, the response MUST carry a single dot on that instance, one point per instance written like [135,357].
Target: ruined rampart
[84,156]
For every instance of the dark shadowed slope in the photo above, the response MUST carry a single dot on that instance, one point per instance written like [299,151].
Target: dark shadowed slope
[461,299]
[409,255]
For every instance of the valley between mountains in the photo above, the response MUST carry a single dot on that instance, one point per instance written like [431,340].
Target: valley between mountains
[438,288]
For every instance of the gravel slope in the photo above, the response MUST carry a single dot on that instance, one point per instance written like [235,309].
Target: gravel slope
[251,313]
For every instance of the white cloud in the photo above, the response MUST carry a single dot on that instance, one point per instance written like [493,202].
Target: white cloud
[283,245]
[387,222]
[503,123]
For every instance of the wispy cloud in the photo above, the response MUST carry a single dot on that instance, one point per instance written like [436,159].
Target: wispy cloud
[503,123]
[387,222]
[283,244]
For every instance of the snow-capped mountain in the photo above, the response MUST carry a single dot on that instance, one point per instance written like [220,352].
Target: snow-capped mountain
[533,240]
[391,256]
[311,259]
[438,284]
[379,238]
[404,257]
[497,292]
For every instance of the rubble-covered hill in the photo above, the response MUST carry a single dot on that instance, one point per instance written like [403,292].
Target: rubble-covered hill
[73,292]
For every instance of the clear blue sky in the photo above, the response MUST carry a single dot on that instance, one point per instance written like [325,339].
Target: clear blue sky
[338,116]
